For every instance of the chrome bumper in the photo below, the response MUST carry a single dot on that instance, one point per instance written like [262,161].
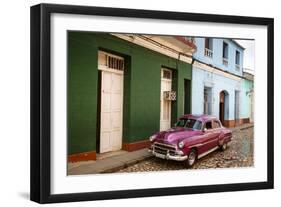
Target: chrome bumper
[168,156]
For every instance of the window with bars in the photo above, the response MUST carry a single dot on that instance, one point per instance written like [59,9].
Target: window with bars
[208,47]
[225,54]
[237,60]
[207,100]
[225,50]
[115,62]
[167,74]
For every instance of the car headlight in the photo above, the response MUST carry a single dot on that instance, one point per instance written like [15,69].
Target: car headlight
[181,144]
[151,138]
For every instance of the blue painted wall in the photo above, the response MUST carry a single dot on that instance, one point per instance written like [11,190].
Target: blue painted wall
[216,60]
[218,83]
[204,76]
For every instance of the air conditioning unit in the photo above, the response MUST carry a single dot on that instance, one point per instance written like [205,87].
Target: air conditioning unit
[170,95]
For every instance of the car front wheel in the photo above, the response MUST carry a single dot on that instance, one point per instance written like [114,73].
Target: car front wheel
[191,158]
[224,146]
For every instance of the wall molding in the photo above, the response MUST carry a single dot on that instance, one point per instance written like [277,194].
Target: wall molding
[144,43]
[136,145]
[216,71]
[83,156]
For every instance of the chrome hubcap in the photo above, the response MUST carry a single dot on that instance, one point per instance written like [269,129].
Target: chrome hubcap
[191,158]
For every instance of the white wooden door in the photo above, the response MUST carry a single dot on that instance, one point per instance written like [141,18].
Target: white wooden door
[111,111]
[165,105]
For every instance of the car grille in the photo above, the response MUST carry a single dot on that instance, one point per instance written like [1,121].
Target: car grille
[162,148]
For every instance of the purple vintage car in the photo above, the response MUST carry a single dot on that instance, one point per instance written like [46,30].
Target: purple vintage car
[192,137]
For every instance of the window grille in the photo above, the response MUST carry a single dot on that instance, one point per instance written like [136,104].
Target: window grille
[208,53]
[225,61]
[170,95]
[167,74]
[115,62]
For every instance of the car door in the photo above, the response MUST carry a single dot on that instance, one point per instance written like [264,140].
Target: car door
[216,132]
[208,138]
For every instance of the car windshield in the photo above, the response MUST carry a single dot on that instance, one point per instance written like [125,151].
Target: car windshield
[189,123]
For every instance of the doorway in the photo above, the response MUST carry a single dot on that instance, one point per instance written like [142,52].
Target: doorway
[223,108]
[111,102]
[165,105]
[237,107]
[187,95]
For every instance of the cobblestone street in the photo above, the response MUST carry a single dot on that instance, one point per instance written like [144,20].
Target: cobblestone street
[239,153]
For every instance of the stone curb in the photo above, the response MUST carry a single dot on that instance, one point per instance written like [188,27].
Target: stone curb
[129,163]
[111,164]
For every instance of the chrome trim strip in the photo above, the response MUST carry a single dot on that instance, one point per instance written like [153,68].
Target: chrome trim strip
[209,151]
[201,144]
[196,145]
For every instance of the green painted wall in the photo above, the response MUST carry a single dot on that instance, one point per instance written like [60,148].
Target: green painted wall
[141,113]
[247,86]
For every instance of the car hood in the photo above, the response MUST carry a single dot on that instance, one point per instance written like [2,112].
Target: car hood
[176,134]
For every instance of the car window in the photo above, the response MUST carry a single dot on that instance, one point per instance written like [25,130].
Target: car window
[181,123]
[197,125]
[189,123]
[216,124]
[208,125]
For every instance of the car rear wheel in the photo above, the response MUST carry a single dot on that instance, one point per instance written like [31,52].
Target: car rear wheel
[191,158]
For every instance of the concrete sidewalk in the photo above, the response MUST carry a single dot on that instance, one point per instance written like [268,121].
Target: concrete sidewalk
[242,127]
[117,162]
[109,164]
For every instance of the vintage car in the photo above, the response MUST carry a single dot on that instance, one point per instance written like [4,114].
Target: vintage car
[192,137]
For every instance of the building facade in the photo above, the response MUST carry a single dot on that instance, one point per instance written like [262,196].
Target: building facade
[123,88]
[218,85]
[248,101]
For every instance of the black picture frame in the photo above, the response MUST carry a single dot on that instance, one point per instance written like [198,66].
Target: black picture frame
[41,97]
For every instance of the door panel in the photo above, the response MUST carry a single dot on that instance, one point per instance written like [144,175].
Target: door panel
[116,120]
[115,142]
[105,141]
[208,139]
[217,132]
[117,80]
[105,122]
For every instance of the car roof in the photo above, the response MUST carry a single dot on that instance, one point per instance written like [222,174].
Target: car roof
[200,117]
